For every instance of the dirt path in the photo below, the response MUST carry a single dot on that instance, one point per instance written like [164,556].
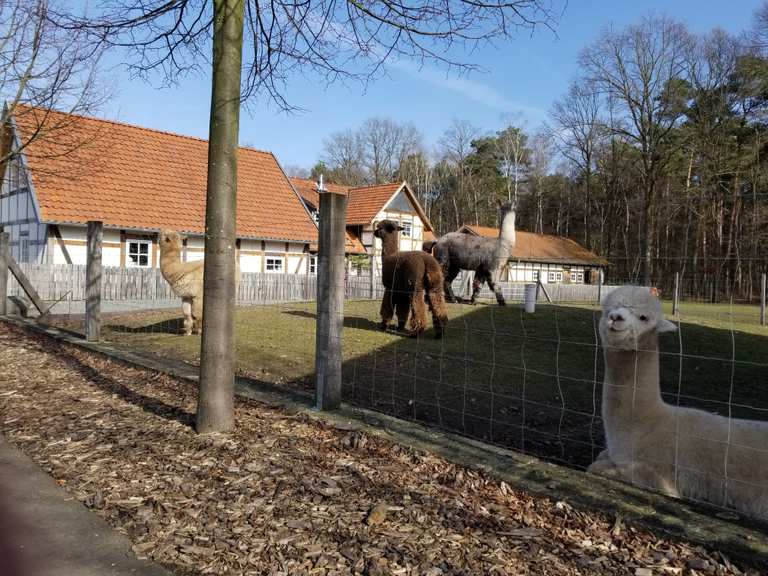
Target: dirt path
[284,494]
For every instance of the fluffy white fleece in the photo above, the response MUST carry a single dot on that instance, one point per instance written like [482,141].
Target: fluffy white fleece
[681,452]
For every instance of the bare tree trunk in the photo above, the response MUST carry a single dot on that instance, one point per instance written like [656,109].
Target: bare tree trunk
[646,236]
[215,409]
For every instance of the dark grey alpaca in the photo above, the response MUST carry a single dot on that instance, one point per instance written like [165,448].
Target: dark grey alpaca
[457,251]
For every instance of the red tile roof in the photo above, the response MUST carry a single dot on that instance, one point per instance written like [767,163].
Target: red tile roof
[364,203]
[307,189]
[352,243]
[133,177]
[367,201]
[542,247]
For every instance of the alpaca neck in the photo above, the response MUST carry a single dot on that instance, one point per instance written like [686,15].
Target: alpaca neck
[169,256]
[390,245]
[507,230]
[631,391]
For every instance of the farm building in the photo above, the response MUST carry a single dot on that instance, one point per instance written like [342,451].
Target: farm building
[551,259]
[368,205]
[137,181]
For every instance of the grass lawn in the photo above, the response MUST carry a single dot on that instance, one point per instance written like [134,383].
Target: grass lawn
[529,381]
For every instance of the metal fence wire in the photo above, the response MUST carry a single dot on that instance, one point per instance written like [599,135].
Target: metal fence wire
[528,381]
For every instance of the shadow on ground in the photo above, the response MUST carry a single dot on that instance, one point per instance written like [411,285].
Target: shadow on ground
[112,386]
[533,382]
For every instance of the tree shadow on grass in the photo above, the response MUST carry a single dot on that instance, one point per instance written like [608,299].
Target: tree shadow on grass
[169,326]
[111,386]
[357,322]
[533,382]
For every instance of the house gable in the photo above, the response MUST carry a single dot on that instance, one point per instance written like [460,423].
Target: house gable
[400,203]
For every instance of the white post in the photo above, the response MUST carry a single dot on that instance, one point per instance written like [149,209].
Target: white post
[529,298]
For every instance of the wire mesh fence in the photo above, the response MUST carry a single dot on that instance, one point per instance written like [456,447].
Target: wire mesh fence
[528,381]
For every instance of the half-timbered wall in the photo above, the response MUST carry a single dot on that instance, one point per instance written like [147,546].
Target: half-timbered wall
[19,215]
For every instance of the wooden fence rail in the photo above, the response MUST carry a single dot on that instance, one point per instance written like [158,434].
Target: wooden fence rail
[146,285]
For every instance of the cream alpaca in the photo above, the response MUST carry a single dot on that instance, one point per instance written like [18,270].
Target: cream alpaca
[185,278]
[682,452]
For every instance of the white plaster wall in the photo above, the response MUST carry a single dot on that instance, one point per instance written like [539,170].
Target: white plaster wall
[250,262]
[110,256]
[296,264]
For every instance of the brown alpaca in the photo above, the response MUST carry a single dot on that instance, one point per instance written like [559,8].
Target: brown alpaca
[185,278]
[409,278]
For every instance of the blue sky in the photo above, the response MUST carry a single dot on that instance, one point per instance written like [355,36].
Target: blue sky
[520,81]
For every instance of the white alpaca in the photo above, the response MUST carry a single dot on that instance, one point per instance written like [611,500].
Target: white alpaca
[681,452]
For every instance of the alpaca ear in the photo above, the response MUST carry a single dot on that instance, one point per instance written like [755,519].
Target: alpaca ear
[665,325]
[400,227]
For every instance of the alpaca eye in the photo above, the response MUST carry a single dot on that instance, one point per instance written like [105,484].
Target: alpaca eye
[644,318]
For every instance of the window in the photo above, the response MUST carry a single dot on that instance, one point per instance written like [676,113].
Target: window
[577,277]
[274,264]
[138,253]
[555,277]
[313,264]
[536,275]
[407,230]
[23,246]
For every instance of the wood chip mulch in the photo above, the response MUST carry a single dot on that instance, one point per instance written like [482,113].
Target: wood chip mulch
[285,494]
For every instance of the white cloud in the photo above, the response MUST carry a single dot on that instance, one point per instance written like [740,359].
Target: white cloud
[470,89]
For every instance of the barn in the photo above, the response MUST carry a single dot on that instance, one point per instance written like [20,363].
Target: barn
[546,258]
[137,181]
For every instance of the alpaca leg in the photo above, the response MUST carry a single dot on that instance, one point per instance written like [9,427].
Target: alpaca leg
[186,308]
[197,314]
[419,316]
[602,465]
[450,276]
[386,310]
[491,279]
[436,305]
[402,310]
[480,277]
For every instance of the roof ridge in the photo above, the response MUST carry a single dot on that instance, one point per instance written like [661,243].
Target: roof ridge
[138,127]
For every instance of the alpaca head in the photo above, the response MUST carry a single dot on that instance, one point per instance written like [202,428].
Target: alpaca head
[630,315]
[385,228]
[170,239]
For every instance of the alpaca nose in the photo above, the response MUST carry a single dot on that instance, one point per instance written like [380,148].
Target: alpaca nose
[616,316]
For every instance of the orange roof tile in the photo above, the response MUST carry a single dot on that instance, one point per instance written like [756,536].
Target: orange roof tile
[352,243]
[542,247]
[367,201]
[307,189]
[133,177]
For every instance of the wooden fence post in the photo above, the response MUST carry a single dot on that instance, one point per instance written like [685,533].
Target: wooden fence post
[676,295]
[93,282]
[762,299]
[5,243]
[330,299]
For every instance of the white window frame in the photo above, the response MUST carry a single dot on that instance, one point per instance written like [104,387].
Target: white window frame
[551,277]
[577,277]
[536,275]
[312,269]
[274,260]
[558,276]
[407,231]
[129,263]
